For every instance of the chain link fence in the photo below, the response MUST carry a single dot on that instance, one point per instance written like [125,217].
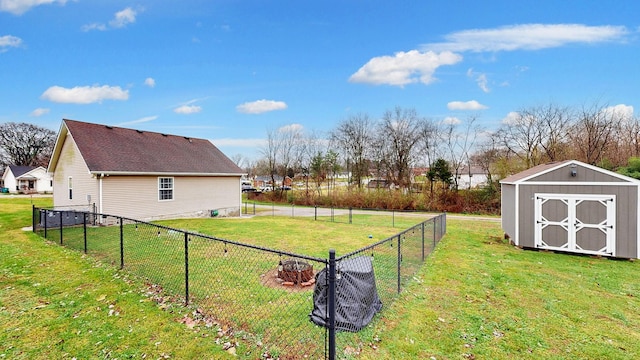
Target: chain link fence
[266,303]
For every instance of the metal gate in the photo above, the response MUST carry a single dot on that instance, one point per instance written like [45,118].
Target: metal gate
[581,223]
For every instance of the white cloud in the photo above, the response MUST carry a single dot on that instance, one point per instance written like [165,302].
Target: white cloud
[512,118]
[466,105]
[249,143]
[39,112]
[123,17]
[450,120]
[187,109]
[622,111]
[261,106]
[482,82]
[138,121]
[84,94]
[8,41]
[291,128]
[404,68]
[94,26]
[120,19]
[150,82]
[527,37]
[19,7]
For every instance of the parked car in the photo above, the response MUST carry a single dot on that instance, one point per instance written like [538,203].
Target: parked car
[248,188]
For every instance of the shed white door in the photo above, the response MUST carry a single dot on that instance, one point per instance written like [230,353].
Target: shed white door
[580,223]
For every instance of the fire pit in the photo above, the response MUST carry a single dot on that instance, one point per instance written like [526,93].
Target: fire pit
[295,271]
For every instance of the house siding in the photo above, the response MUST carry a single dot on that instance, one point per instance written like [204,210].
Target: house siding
[137,196]
[10,182]
[626,212]
[43,184]
[72,164]
[508,210]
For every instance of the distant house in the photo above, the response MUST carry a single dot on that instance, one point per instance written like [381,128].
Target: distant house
[378,184]
[27,179]
[140,174]
[472,177]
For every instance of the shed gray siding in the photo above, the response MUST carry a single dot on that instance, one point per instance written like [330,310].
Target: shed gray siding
[583,174]
[626,211]
[507,209]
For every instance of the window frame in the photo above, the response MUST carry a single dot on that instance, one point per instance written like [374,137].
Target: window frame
[70,187]
[170,190]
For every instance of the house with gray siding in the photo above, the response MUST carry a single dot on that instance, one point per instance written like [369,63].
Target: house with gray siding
[141,174]
[571,206]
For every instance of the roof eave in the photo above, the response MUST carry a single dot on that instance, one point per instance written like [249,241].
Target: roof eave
[139,173]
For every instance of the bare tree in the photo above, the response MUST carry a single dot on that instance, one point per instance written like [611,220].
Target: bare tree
[283,151]
[520,134]
[592,132]
[271,151]
[554,123]
[25,144]
[399,133]
[460,140]
[629,137]
[354,136]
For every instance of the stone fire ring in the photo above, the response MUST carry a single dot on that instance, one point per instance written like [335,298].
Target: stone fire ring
[295,271]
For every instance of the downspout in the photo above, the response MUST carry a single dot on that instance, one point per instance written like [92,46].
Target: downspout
[100,193]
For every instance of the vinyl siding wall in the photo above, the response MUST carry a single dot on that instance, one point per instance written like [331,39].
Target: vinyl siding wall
[43,184]
[137,196]
[508,210]
[72,164]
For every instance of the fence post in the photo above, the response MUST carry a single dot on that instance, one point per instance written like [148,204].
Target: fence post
[434,231]
[186,268]
[399,260]
[60,212]
[393,218]
[422,228]
[33,218]
[315,212]
[45,223]
[254,208]
[84,230]
[121,245]
[350,215]
[332,304]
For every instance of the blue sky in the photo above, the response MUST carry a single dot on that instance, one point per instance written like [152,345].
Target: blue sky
[229,71]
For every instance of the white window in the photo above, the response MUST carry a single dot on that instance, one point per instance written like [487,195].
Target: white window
[165,188]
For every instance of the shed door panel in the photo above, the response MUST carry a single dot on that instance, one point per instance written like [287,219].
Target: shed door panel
[577,223]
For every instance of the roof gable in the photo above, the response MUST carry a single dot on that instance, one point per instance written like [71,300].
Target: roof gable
[545,172]
[115,150]
[20,170]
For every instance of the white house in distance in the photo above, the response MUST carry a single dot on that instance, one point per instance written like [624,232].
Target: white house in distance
[140,174]
[471,177]
[27,179]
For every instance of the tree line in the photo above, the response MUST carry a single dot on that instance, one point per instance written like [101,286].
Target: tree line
[391,146]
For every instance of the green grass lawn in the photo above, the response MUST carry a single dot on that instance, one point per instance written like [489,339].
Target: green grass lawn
[56,303]
[476,297]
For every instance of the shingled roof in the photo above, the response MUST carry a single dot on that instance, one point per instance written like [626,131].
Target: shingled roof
[18,171]
[115,150]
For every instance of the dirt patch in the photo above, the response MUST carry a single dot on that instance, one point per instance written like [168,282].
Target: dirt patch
[270,279]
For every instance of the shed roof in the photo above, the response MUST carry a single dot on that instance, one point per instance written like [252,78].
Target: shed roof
[115,150]
[546,168]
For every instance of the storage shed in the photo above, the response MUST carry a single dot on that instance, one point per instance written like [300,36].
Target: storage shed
[572,206]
